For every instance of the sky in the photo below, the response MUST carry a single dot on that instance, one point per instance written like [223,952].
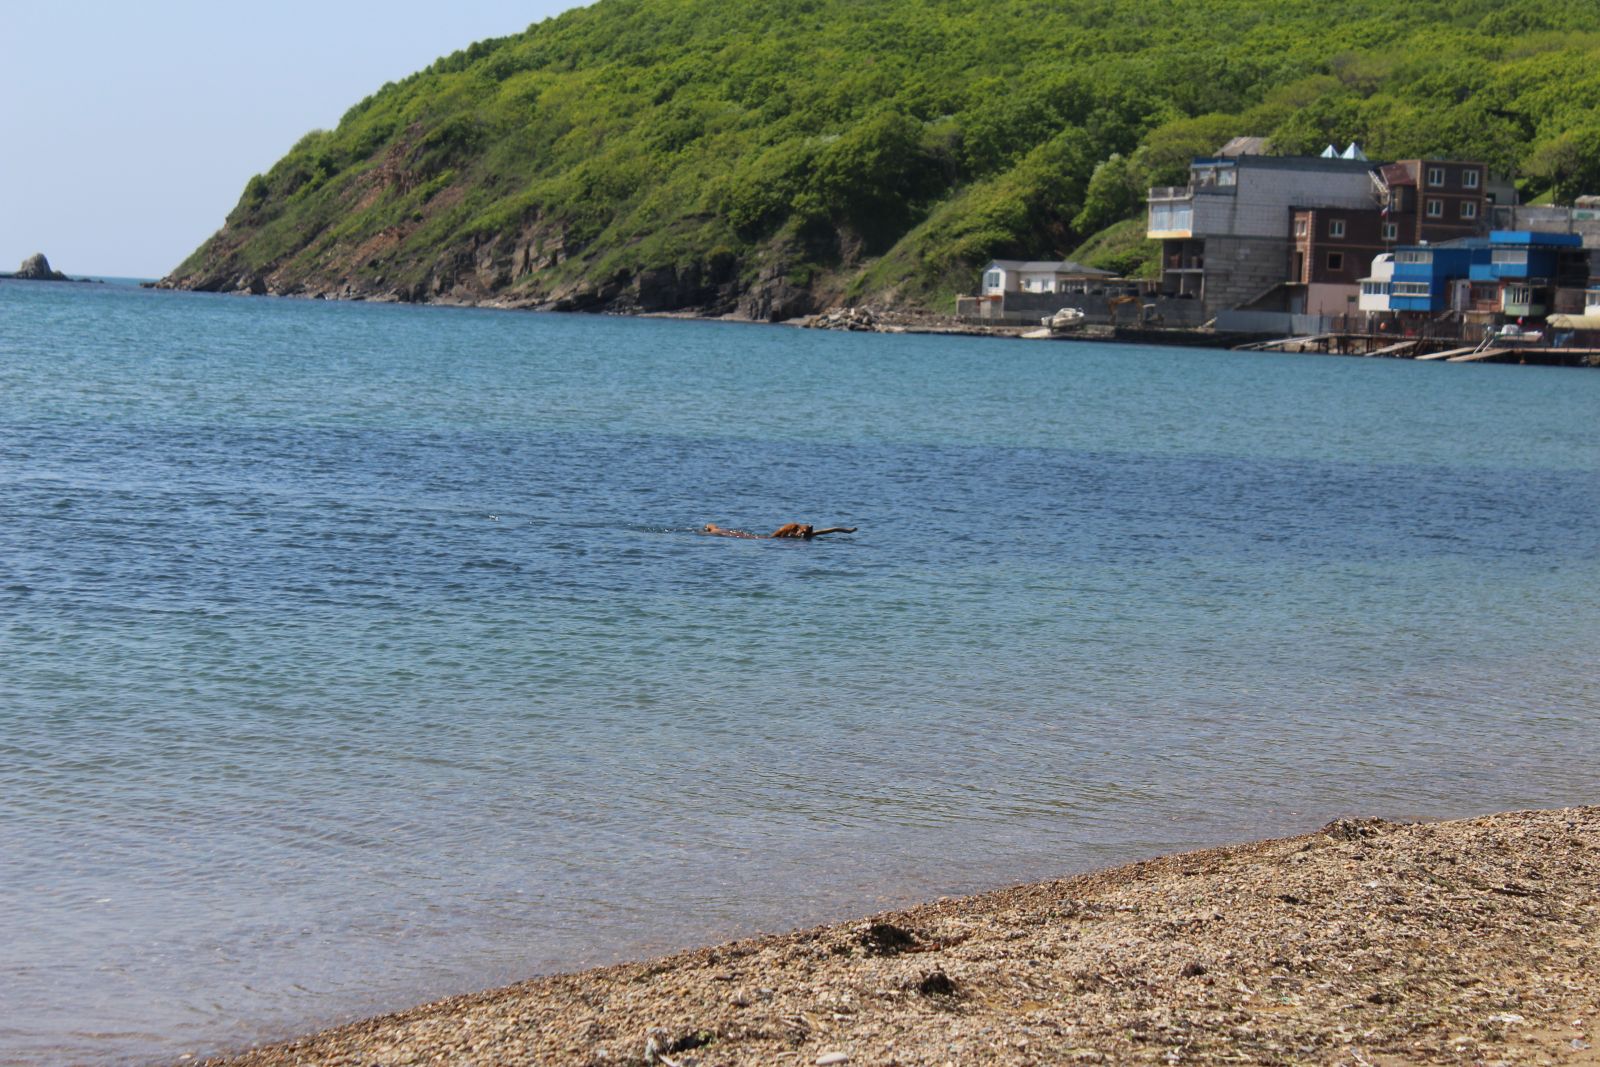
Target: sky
[128,131]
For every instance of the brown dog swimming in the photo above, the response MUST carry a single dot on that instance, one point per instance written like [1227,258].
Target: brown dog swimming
[789,530]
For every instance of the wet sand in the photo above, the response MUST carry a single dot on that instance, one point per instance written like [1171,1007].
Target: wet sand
[1472,942]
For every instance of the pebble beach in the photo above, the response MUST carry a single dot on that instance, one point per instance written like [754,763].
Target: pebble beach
[1367,942]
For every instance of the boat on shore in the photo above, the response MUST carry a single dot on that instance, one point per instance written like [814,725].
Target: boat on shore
[1063,321]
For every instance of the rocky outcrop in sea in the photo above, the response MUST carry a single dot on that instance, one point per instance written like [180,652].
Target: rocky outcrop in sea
[36,268]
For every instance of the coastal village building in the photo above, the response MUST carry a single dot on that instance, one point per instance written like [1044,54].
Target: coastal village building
[1226,237]
[1582,218]
[1583,328]
[1520,274]
[1260,243]
[1432,200]
[1026,291]
[1017,296]
[1374,298]
[1333,248]
[1508,275]
[1295,234]
[1425,280]
[1039,276]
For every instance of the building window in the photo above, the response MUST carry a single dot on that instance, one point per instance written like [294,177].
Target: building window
[1336,261]
[1469,209]
[1374,288]
[1413,255]
[1300,226]
[1436,176]
[1336,227]
[1469,179]
[1435,208]
[1411,288]
[992,280]
[1391,231]
[1509,256]
[1519,294]
[1171,218]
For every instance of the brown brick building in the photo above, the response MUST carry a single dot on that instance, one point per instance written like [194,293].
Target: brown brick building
[1332,251]
[1433,200]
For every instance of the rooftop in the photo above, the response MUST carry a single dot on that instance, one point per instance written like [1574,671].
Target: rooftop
[1313,163]
[1529,237]
[1244,146]
[1041,266]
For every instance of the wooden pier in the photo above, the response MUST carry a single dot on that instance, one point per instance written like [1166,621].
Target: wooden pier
[1380,345]
[1430,349]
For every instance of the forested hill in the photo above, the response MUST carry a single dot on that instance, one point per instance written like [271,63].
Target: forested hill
[772,156]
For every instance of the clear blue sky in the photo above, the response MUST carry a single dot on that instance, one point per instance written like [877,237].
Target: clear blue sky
[128,130]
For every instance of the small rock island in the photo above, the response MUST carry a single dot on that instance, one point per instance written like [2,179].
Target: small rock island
[36,268]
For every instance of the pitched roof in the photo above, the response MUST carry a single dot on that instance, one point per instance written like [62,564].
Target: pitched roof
[1244,146]
[1044,266]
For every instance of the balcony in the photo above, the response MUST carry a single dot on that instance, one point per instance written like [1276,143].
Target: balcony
[1170,219]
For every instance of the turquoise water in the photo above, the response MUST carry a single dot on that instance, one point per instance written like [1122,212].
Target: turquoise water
[352,655]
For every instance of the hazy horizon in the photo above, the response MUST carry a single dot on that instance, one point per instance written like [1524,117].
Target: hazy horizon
[137,127]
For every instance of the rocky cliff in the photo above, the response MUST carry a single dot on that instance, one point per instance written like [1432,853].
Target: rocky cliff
[770,158]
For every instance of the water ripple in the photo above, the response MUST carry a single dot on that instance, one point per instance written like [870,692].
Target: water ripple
[351,655]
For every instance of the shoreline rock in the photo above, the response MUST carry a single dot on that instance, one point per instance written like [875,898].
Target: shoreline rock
[1471,941]
[869,319]
[36,268]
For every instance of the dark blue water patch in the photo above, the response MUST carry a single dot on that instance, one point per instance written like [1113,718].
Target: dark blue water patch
[188,515]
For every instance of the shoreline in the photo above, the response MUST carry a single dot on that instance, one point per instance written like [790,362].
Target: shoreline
[1366,942]
[933,324]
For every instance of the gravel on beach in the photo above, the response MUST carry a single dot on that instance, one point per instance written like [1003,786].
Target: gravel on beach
[1366,943]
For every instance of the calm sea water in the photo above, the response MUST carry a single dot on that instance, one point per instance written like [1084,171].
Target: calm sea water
[352,655]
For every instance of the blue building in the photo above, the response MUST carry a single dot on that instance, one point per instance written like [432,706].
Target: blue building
[1423,274]
[1511,273]
[1519,272]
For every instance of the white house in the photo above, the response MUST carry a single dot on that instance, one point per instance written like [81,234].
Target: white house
[1039,276]
[1375,287]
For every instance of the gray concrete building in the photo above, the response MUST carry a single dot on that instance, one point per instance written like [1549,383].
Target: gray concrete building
[1226,236]
[1582,218]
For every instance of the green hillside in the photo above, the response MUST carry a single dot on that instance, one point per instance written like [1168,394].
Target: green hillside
[774,157]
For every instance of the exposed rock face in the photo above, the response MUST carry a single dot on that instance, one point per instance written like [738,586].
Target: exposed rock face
[37,269]
[539,262]
[514,270]
[774,297]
